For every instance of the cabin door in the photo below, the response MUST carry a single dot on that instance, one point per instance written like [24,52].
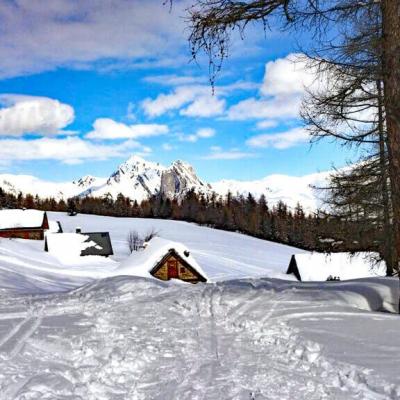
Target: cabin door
[172,269]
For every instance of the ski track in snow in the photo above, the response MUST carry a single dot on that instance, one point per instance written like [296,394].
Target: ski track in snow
[225,341]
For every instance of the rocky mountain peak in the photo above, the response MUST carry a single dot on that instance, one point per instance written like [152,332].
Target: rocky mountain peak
[179,178]
[85,181]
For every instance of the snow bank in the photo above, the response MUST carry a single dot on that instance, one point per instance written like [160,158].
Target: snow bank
[319,266]
[10,219]
[140,263]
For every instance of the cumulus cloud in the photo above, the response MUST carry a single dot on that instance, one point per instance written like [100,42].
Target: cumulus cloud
[41,36]
[106,128]
[282,140]
[21,114]
[287,76]
[281,93]
[70,150]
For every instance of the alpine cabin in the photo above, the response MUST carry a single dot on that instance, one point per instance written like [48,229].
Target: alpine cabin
[23,224]
[164,260]
[335,266]
[79,244]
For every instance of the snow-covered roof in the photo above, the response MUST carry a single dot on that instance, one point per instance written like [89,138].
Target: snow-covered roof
[67,247]
[17,218]
[319,266]
[140,263]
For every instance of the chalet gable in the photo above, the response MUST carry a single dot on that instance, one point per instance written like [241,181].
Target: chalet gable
[173,266]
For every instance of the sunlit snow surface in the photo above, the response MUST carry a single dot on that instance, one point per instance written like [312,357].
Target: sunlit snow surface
[132,338]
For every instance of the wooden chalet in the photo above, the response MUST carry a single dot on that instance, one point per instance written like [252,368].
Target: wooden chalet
[164,260]
[173,266]
[23,224]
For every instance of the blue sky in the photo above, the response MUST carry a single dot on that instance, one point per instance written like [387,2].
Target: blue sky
[84,86]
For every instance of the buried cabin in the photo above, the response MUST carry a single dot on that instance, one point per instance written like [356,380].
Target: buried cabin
[79,244]
[23,224]
[165,260]
[335,266]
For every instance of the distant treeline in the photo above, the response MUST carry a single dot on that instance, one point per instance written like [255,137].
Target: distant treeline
[317,231]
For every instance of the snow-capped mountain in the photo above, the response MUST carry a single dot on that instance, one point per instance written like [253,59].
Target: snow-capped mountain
[181,177]
[136,178]
[139,179]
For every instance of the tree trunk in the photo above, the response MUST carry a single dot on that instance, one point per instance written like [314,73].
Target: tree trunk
[391,78]
[389,253]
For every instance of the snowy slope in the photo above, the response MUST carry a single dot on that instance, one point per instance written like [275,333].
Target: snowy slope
[222,255]
[289,189]
[122,337]
[138,179]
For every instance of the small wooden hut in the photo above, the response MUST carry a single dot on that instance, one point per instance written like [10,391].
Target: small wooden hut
[23,224]
[164,260]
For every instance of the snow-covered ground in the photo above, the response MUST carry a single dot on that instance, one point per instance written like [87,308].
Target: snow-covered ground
[24,266]
[124,337]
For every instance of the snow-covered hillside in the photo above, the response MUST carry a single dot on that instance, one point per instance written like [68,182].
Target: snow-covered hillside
[123,337]
[289,189]
[138,179]
[223,255]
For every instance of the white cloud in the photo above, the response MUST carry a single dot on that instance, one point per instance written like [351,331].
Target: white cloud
[70,150]
[206,132]
[267,123]
[41,36]
[287,76]
[202,133]
[232,154]
[106,128]
[205,106]
[283,140]
[253,108]
[29,114]
[174,100]
[281,93]
[197,99]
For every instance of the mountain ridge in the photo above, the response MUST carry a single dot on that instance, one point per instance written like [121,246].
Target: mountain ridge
[139,179]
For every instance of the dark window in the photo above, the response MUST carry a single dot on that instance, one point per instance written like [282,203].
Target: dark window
[183,270]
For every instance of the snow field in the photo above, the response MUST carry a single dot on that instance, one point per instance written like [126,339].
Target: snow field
[245,337]
[132,338]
